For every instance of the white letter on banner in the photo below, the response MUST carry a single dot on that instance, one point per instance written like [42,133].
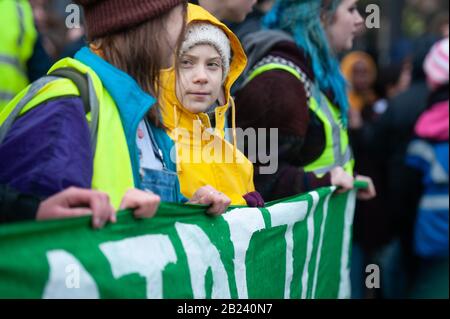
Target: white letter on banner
[309,244]
[243,223]
[345,285]
[319,249]
[288,214]
[146,255]
[201,255]
[60,286]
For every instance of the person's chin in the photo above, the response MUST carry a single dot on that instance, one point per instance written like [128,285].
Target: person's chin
[198,107]
[351,42]
[348,46]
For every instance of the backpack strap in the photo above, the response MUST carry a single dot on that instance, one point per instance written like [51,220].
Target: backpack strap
[87,94]
[81,82]
[272,63]
[85,87]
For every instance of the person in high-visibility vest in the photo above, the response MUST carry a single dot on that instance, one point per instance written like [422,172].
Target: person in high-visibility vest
[17,40]
[293,83]
[52,136]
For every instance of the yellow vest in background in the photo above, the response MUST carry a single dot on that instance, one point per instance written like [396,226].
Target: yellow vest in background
[337,150]
[17,39]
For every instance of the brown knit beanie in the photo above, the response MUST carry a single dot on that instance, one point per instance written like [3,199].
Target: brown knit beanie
[105,17]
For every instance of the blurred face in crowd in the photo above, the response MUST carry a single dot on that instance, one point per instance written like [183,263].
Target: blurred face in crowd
[362,78]
[230,10]
[237,10]
[345,25]
[199,78]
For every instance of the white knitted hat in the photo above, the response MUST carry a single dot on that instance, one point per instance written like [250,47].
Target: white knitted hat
[436,64]
[206,33]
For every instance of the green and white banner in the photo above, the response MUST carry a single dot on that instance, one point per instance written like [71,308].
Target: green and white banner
[294,248]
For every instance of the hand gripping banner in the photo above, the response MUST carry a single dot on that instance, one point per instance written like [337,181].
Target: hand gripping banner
[294,248]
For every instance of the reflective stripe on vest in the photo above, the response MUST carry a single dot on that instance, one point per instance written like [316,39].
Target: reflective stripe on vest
[277,63]
[18,36]
[112,165]
[336,136]
[434,202]
[33,90]
[21,16]
[13,62]
[423,150]
[5,96]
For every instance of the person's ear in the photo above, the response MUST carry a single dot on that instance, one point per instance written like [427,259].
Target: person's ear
[322,17]
[325,19]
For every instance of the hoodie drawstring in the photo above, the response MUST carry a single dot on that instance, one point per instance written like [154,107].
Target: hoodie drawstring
[178,160]
[233,124]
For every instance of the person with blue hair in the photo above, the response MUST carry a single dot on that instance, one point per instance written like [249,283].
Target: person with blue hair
[293,83]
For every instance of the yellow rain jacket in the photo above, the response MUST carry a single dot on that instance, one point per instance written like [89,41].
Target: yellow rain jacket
[204,157]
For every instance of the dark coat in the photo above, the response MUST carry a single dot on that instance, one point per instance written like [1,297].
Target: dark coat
[277,99]
[386,141]
[15,206]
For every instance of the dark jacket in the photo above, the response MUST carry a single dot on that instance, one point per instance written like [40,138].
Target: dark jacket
[48,149]
[39,62]
[429,154]
[386,141]
[15,206]
[276,99]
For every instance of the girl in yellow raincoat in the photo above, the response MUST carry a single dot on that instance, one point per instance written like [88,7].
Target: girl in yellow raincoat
[194,103]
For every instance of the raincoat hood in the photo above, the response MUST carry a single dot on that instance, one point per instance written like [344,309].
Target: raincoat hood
[228,170]
[173,118]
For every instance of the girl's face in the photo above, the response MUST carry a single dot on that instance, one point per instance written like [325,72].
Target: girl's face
[199,78]
[347,22]
[174,27]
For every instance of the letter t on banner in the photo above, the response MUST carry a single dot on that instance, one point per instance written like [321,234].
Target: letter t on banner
[146,255]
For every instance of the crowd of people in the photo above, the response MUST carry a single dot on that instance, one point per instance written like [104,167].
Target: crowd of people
[147,107]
